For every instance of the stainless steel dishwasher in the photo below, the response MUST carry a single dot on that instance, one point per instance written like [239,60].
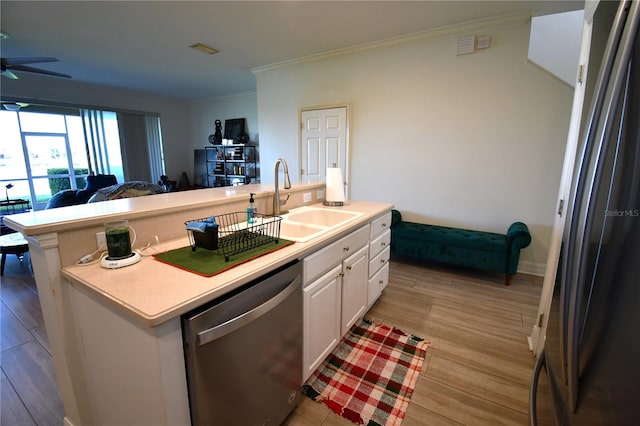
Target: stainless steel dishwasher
[243,352]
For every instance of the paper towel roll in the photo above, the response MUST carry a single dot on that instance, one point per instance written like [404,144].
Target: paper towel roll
[334,187]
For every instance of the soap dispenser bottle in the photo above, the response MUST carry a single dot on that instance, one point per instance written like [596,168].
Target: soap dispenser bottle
[252,211]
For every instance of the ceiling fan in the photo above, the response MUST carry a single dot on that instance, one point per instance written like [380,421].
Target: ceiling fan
[14,106]
[20,64]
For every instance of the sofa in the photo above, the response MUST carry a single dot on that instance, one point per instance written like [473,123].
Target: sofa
[473,249]
[72,197]
[131,189]
[103,188]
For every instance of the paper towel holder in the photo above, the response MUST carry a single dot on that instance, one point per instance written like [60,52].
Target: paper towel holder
[336,181]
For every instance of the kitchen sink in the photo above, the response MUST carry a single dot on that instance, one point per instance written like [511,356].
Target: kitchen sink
[305,223]
[299,231]
[321,217]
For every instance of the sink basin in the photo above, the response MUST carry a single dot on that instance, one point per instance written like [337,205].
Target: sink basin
[305,223]
[299,231]
[321,217]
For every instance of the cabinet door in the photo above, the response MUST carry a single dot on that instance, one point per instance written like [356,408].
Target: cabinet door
[322,300]
[354,288]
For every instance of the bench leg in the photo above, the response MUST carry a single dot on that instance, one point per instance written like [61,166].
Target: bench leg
[507,279]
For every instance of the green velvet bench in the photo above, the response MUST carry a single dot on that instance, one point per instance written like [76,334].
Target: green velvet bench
[473,249]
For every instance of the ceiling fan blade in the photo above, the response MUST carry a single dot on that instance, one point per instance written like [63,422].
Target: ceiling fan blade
[23,61]
[38,71]
[11,106]
[9,74]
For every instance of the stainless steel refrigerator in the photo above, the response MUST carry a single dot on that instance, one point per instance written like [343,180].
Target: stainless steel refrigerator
[589,372]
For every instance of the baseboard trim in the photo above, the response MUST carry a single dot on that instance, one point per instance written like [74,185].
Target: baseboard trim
[532,268]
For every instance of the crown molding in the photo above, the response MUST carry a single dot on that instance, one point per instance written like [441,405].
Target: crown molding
[499,22]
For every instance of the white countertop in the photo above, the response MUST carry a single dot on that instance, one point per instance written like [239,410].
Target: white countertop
[154,292]
[70,217]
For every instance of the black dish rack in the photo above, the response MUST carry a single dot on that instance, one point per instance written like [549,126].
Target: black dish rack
[234,235]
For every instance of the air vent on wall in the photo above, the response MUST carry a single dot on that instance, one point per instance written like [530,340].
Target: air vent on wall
[484,42]
[466,44]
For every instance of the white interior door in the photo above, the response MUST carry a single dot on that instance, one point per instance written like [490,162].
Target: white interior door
[537,337]
[324,142]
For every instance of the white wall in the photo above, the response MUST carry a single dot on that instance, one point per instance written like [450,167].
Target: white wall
[473,141]
[173,112]
[555,43]
[204,112]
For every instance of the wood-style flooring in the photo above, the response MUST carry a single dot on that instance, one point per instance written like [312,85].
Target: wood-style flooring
[29,390]
[477,369]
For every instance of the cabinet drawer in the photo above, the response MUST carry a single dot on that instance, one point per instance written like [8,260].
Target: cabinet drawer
[334,253]
[379,261]
[380,225]
[377,283]
[380,243]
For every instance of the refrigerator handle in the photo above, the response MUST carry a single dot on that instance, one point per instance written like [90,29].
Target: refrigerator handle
[533,389]
[595,176]
[571,227]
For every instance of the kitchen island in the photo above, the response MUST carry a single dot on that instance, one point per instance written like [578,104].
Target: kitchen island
[116,334]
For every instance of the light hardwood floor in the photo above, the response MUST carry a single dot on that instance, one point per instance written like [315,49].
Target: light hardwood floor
[477,369]
[29,391]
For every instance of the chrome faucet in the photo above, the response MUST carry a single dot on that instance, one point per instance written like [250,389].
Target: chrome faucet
[277,202]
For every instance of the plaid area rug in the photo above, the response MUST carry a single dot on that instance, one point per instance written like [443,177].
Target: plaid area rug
[370,376]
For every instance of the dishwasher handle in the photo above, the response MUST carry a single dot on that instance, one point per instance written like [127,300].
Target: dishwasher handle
[227,327]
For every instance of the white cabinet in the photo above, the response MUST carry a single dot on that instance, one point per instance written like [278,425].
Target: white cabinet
[322,301]
[380,224]
[377,282]
[331,255]
[337,298]
[354,288]
[341,281]
[379,255]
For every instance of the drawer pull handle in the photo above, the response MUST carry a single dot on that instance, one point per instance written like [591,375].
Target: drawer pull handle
[381,282]
[345,248]
[382,260]
[349,268]
[383,244]
[384,224]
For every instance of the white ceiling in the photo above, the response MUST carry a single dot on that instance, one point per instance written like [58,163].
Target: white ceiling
[144,45]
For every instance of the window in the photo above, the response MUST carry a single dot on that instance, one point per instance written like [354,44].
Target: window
[45,150]
[103,142]
[39,154]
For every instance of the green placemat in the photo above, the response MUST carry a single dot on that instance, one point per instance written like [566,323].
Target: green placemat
[209,263]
